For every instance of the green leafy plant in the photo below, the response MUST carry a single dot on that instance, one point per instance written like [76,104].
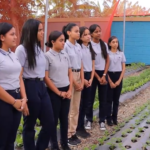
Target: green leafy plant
[19,141]
[137,122]
[148,121]
[86,148]
[101,141]
[124,134]
[93,147]
[129,130]
[118,140]
[38,122]
[148,143]
[122,124]
[121,146]
[20,129]
[117,128]
[112,144]
[94,118]
[132,126]
[106,133]
[134,139]
[144,147]
[137,135]
[141,129]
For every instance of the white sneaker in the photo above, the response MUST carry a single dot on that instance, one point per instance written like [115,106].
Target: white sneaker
[88,125]
[102,126]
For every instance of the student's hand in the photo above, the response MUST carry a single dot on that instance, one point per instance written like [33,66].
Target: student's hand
[112,85]
[90,82]
[26,110]
[18,105]
[63,94]
[117,83]
[99,79]
[69,94]
[103,80]
[86,83]
[24,102]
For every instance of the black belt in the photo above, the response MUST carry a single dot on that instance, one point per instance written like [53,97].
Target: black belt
[76,70]
[34,79]
[114,71]
[14,91]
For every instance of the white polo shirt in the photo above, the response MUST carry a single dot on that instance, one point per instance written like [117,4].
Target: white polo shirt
[116,60]
[10,69]
[39,70]
[99,59]
[58,64]
[86,58]
[75,54]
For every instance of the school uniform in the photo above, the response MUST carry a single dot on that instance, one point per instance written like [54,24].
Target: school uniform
[113,94]
[75,55]
[102,89]
[57,64]
[10,70]
[39,103]
[86,92]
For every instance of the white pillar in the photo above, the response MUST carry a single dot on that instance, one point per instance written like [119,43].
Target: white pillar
[124,21]
[46,17]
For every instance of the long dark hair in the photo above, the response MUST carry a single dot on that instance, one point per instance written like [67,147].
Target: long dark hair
[82,30]
[53,37]
[29,40]
[109,41]
[92,28]
[66,28]
[4,28]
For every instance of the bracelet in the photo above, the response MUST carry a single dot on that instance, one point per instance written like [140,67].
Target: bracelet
[104,74]
[25,99]
[14,102]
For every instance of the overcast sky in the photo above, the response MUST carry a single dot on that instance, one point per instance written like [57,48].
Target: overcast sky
[144,3]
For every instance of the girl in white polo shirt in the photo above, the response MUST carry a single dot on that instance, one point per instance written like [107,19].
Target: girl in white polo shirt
[11,88]
[100,78]
[88,59]
[115,75]
[58,78]
[71,32]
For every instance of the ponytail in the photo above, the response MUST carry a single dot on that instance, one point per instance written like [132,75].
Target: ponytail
[92,51]
[66,28]
[53,37]
[103,48]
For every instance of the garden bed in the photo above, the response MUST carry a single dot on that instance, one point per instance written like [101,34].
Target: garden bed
[125,111]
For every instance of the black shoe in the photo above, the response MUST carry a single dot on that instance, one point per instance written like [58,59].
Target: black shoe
[72,141]
[83,133]
[65,147]
[109,123]
[115,122]
[76,139]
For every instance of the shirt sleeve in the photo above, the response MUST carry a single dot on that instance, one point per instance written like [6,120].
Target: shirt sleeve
[47,62]
[21,55]
[107,48]
[123,58]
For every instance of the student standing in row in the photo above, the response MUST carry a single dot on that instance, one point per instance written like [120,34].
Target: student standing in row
[115,76]
[58,78]
[100,78]
[71,32]
[11,88]
[33,62]
[88,59]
